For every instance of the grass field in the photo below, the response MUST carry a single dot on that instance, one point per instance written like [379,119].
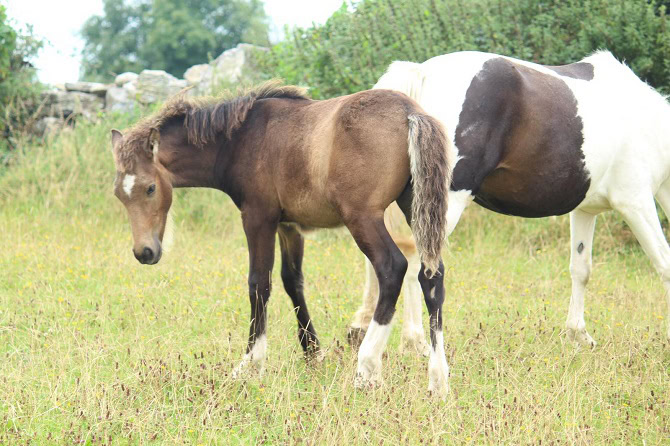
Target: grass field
[96,348]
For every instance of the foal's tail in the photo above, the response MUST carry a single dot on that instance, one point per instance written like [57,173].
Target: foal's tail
[431,167]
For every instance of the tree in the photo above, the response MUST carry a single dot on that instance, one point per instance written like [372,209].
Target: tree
[170,35]
[19,89]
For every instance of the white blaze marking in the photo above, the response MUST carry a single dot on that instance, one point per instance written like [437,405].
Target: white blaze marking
[128,183]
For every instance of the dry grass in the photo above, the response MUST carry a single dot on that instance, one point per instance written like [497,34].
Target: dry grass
[96,348]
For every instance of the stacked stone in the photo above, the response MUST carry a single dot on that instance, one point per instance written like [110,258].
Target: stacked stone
[88,100]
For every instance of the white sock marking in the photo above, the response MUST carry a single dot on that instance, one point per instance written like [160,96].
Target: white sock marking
[255,359]
[370,354]
[438,369]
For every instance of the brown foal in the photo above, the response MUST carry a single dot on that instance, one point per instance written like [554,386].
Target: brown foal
[290,163]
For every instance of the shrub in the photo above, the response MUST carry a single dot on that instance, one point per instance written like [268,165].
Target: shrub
[353,48]
[19,89]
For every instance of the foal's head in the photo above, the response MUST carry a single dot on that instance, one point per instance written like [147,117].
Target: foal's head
[143,186]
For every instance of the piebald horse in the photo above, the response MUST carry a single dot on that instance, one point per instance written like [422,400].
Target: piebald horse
[290,163]
[533,141]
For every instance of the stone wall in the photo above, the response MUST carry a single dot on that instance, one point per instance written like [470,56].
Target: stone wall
[90,100]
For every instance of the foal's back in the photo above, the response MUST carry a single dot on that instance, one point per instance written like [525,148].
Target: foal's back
[326,150]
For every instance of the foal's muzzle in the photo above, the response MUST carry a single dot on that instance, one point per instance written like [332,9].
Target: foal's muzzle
[148,256]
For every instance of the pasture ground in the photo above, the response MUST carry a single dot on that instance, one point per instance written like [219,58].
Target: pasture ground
[95,348]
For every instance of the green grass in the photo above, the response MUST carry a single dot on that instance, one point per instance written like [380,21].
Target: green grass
[96,348]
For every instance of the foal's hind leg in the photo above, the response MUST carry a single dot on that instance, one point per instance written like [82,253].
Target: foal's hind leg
[390,266]
[413,336]
[292,249]
[433,294]
[582,226]
[641,216]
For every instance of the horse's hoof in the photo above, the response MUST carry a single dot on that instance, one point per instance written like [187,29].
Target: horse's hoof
[355,337]
[415,345]
[441,392]
[581,338]
[367,382]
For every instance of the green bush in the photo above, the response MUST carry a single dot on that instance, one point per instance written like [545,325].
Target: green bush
[19,89]
[353,48]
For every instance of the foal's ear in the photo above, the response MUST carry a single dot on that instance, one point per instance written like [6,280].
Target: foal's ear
[154,141]
[116,137]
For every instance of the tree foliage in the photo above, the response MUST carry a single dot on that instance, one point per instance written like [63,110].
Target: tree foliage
[169,35]
[354,47]
[19,89]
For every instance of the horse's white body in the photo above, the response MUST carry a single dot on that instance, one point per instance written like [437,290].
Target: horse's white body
[626,131]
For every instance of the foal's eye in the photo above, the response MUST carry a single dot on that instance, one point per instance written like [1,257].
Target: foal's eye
[151,189]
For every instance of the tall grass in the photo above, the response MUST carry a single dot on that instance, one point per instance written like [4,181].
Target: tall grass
[96,348]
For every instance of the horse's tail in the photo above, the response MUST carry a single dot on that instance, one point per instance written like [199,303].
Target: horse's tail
[431,168]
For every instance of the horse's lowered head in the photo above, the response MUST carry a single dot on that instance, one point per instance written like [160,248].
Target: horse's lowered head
[143,186]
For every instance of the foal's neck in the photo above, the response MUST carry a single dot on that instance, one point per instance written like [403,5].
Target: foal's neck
[187,164]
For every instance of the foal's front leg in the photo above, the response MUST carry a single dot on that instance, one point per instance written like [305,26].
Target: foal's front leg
[260,231]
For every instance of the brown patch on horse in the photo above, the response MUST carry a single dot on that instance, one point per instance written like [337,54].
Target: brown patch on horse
[579,70]
[520,138]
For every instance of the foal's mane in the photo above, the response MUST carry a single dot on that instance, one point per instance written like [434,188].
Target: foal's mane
[204,117]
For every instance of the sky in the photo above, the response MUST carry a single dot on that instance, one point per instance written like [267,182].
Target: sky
[59,22]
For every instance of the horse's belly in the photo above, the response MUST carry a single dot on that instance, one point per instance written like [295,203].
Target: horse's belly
[532,195]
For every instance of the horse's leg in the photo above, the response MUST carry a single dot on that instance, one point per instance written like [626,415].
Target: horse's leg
[663,196]
[641,216]
[582,226]
[413,336]
[260,230]
[390,266]
[364,313]
[292,245]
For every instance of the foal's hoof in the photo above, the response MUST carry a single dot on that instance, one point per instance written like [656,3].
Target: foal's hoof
[581,338]
[355,337]
[438,382]
[368,373]
[247,370]
[315,356]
